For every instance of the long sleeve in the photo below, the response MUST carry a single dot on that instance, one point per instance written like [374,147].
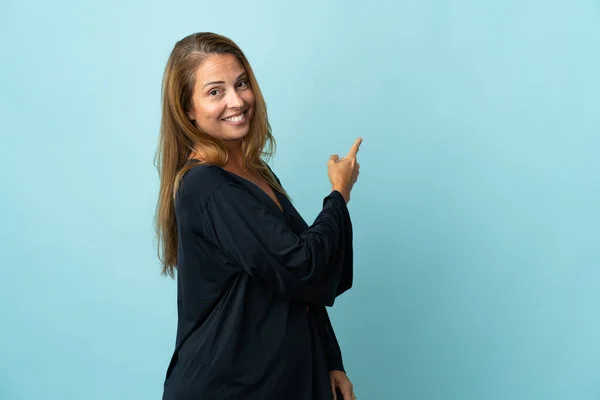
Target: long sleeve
[331,347]
[305,267]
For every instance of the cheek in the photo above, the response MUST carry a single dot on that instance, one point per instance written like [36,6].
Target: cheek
[211,113]
[249,98]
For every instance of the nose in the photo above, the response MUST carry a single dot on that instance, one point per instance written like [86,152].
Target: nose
[234,100]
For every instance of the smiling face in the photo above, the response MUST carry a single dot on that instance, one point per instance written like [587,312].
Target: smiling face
[222,99]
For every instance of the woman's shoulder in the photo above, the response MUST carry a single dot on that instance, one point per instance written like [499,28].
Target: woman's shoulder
[202,180]
[206,173]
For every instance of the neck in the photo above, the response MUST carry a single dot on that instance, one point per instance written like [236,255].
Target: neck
[235,161]
[236,157]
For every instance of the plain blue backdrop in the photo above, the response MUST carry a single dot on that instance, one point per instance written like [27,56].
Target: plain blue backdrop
[476,216]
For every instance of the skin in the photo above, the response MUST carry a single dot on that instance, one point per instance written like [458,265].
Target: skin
[343,172]
[222,90]
[340,380]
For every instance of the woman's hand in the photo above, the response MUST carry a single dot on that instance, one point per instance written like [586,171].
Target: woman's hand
[343,172]
[340,380]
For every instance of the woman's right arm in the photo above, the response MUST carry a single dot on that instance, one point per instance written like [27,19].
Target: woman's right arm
[305,267]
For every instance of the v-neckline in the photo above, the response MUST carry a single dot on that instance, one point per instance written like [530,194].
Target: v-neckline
[279,206]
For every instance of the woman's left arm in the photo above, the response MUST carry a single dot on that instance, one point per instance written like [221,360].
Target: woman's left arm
[331,347]
[341,387]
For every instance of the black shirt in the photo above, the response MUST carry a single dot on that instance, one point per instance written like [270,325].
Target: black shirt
[252,286]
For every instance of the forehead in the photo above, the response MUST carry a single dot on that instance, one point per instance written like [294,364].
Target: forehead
[219,67]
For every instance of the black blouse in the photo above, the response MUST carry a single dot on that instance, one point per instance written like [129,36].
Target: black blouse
[252,286]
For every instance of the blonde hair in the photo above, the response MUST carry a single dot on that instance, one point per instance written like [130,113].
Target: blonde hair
[179,136]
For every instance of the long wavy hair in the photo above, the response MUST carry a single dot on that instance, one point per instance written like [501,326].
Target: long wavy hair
[179,136]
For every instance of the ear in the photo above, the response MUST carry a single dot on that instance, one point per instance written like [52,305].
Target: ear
[191,116]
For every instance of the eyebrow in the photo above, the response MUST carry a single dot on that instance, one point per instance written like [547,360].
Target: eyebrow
[221,82]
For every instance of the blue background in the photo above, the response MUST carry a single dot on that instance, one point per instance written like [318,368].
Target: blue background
[476,214]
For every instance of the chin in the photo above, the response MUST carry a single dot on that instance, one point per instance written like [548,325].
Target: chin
[233,136]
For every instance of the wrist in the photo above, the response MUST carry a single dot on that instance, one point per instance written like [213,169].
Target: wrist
[345,194]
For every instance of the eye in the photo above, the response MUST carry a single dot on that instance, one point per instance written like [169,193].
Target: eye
[242,84]
[213,92]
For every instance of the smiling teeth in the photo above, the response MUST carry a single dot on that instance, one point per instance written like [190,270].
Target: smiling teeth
[235,119]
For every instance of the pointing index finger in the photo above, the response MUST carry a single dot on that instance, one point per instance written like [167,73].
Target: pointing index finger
[354,149]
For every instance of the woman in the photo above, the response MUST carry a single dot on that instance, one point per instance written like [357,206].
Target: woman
[253,278]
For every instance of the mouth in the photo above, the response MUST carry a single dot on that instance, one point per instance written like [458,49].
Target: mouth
[236,119]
